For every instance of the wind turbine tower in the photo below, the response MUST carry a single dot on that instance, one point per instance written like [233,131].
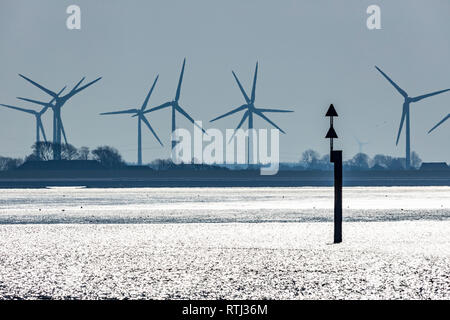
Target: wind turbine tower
[250,110]
[406,113]
[141,118]
[175,106]
[38,117]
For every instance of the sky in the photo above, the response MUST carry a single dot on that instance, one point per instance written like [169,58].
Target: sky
[310,54]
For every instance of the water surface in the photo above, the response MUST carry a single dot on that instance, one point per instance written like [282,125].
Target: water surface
[191,205]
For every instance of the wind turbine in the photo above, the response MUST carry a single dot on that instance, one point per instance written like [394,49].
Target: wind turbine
[440,122]
[56,108]
[174,104]
[250,108]
[141,117]
[360,144]
[406,113]
[38,116]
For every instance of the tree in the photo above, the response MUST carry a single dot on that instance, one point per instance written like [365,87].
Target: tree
[310,158]
[397,164]
[68,152]
[389,162]
[382,160]
[359,162]
[108,156]
[44,151]
[83,153]
[41,151]
[9,163]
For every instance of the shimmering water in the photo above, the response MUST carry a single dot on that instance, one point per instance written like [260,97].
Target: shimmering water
[190,205]
[68,243]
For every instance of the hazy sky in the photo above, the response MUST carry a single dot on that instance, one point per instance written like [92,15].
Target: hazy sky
[311,53]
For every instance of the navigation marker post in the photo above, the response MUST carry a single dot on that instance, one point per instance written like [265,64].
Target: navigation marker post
[336,158]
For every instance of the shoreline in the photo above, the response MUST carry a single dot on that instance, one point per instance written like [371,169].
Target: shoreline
[141,178]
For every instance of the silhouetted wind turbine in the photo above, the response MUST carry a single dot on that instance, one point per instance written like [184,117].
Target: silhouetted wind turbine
[56,108]
[141,117]
[250,108]
[37,115]
[39,126]
[406,114]
[440,122]
[175,106]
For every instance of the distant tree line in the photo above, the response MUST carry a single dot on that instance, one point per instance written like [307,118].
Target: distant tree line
[7,163]
[43,151]
[167,164]
[110,157]
[311,160]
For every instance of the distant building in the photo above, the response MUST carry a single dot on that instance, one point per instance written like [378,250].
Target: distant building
[434,166]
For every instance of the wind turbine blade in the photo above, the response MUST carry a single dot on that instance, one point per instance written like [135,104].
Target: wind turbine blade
[244,106]
[20,109]
[254,83]
[239,125]
[268,120]
[44,110]
[273,110]
[34,101]
[78,84]
[144,105]
[177,96]
[63,131]
[240,87]
[400,90]
[120,112]
[143,118]
[440,122]
[186,115]
[415,99]
[401,123]
[39,86]
[164,105]
[42,129]
[74,92]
